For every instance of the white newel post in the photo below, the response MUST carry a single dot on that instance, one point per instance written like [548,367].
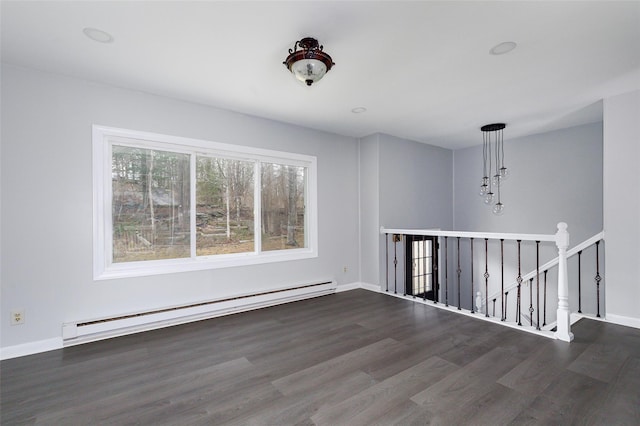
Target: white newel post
[564,315]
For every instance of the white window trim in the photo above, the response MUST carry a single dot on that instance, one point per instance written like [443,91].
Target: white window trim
[103,137]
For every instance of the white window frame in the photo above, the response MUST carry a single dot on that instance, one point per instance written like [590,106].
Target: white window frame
[103,268]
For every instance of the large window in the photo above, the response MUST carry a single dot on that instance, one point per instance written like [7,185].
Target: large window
[167,204]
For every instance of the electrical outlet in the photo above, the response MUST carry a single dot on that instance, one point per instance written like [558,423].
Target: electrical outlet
[345,269]
[17,317]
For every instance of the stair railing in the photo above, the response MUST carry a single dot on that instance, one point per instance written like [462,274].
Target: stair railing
[574,251]
[560,238]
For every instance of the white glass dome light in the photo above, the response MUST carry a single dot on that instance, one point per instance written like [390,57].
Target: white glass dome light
[309,70]
[307,62]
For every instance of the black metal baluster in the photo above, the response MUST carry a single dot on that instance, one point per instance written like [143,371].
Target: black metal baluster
[506,294]
[472,295]
[537,285]
[519,281]
[424,264]
[544,317]
[494,306]
[410,262]
[403,247]
[459,271]
[598,278]
[386,257]
[446,273]
[486,277]
[395,263]
[436,265]
[531,300]
[502,308]
[580,281]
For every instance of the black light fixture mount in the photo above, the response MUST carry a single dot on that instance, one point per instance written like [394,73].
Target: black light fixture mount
[307,61]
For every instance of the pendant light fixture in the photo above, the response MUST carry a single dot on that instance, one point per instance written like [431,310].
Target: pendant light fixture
[307,62]
[494,171]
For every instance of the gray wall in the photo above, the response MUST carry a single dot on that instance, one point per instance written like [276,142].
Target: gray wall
[622,206]
[369,209]
[47,202]
[555,177]
[403,184]
[415,184]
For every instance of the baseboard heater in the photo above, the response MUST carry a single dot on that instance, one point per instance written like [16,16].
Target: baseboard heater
[74,333]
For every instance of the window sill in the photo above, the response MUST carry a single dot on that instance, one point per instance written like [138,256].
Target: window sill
[160,267]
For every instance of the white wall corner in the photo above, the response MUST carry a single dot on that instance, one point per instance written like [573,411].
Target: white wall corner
[30,348]
[371,287]
[347,287]
[357,285]
[623,320]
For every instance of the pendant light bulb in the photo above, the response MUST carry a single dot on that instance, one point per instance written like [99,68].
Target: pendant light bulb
[498,209]
[488,198]
[504,173]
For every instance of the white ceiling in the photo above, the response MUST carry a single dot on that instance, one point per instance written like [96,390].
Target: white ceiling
[422,69]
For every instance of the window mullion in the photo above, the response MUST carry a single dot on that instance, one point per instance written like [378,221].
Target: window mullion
[257,207]
[108,207]
[192,201]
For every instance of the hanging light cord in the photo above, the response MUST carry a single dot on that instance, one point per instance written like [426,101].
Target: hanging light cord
[484,156]
[498,149]
[489,151]
[502,147]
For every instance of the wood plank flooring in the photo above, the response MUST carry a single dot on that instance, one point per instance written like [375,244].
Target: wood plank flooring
[353,358]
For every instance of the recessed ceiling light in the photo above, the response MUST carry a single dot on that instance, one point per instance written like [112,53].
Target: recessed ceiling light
[98,35]
[358,110]
[503,48]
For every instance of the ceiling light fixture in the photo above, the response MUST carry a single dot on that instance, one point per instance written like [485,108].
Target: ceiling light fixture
[98,35]
[493,177]
[503,48]
[358,110]
[310,63]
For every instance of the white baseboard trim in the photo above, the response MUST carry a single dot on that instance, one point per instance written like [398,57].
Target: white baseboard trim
[356,285]
[347,287]
[30,348]
[622,320]
[477,315]
[371,287]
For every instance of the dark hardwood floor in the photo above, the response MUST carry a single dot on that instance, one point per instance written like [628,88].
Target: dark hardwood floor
[353,358]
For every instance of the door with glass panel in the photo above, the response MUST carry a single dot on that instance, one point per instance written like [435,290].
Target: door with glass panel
[422,267]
